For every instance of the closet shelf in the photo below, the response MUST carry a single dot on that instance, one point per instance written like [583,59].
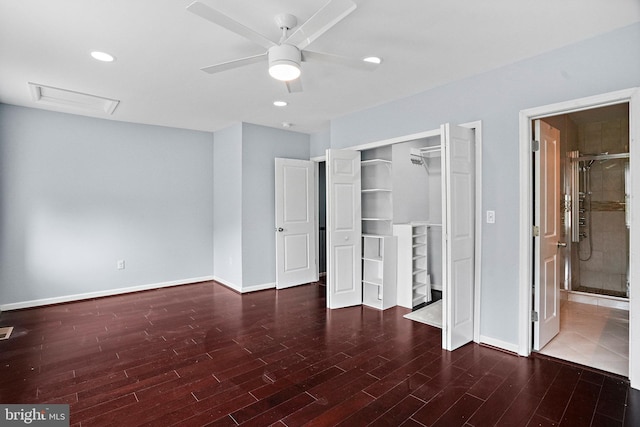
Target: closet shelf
[373,162]
[377,219]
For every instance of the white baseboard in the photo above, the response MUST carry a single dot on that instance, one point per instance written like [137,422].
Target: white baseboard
[229,285]
[242,290]
[513,348]
[261,287]
[99,294]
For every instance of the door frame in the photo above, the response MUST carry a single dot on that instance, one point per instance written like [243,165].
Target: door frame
[631,96]
[477,126]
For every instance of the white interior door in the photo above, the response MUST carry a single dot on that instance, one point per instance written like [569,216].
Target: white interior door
[344,229]
[546,246]
[459,235]
[295,223]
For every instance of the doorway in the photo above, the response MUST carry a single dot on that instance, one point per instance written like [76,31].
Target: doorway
[593,257]
[470,265]
[527,324]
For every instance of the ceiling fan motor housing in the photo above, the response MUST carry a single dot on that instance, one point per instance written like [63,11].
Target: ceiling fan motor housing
[284,57]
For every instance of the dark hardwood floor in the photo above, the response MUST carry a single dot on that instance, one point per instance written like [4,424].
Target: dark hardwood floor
[204,355]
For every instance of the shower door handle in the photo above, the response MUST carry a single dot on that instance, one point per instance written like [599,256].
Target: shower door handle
[561,244]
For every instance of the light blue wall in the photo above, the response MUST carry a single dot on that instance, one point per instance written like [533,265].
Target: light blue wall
[602,64]
[77,194]
[319,143]
[260,146]
[227,203]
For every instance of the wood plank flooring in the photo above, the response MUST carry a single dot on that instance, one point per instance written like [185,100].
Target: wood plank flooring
[202,354]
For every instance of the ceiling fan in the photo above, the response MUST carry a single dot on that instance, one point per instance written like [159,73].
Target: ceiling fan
[284,56]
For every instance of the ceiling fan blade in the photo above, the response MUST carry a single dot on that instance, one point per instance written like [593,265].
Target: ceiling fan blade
[237,63]
[359,64]
[294,85]
[328,16]
[212,15]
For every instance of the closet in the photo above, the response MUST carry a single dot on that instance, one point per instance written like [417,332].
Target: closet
[401,226]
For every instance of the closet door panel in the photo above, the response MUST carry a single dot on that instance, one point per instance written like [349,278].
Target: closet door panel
[344,229]
[459,230]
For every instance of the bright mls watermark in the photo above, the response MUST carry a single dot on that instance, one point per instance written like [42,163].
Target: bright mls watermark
[37,415]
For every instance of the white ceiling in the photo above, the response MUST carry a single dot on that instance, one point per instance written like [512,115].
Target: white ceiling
[160,48]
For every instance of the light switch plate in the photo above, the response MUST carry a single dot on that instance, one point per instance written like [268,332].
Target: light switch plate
[491,217]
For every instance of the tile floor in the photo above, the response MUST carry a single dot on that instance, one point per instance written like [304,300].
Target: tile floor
[592,335]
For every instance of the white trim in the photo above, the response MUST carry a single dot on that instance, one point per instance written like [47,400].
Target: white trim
[525,237]
[498,344]
[396,140]
[260,287]
[244,290]
[100,294]
[229,285]
[632,96]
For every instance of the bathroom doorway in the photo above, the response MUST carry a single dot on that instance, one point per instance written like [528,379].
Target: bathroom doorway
[528,302]
[593,243]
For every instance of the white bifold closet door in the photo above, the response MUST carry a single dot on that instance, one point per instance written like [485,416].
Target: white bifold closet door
[458,243]
[344,229]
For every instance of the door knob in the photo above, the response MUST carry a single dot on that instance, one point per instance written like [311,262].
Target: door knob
[561,244]
[279,229]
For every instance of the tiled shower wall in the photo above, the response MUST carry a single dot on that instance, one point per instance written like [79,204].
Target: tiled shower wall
[607,268]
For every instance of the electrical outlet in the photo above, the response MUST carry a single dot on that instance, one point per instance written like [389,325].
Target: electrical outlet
[120,264]
[491,217]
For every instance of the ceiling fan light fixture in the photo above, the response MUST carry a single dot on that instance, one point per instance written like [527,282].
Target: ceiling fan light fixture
[284,71]
[284,62]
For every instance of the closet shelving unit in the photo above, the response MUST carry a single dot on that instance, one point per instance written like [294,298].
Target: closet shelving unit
[421,279]
[378,243]
[378,271]
[414,269]
[377,205]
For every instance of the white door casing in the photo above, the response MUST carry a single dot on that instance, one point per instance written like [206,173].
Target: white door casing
[458,186]
[546,270]
[295,223]
[344,229]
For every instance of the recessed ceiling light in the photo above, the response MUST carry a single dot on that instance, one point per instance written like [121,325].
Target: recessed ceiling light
[102,56]
[286,124]
[373,59]
[280,103]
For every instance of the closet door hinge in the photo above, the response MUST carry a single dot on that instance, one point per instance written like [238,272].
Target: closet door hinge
[534,316]
[535,145]
[536,231]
